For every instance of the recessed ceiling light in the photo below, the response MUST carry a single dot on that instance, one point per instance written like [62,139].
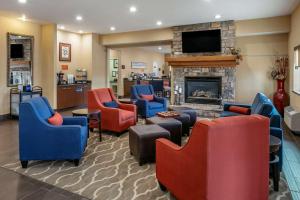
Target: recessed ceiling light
[218,16]
[112,28]
[132,9]
[158,23]
[159,48]
[62,27]
[23,18]
[22,1]
[80,31]
[78,18]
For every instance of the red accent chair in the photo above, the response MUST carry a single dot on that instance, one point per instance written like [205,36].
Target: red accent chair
[112,119]
[227,158]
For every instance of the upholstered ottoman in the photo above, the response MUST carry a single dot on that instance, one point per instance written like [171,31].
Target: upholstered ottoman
[190,111]
[185,121]
[142,141]
[172,125]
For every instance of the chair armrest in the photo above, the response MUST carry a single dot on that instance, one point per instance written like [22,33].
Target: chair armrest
[160,100]
[141,102]
[276,132]
[128,107]
[167,156]
[227,105]
[82,121]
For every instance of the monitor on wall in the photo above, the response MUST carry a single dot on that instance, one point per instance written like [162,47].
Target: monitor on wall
[16,51]
[201,41]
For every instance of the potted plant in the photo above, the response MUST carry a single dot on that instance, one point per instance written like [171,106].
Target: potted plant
[280,73]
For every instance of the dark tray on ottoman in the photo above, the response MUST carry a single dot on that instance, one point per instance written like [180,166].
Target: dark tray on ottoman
[172,125]
[142,141]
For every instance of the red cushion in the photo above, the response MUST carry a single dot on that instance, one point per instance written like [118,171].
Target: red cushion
[239,109]
[56,119]
[147,97]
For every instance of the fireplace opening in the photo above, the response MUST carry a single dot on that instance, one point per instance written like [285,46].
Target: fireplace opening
[203,90]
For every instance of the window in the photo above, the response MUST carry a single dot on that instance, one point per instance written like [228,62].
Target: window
[297,70]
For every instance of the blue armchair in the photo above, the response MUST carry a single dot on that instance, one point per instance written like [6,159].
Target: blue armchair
[39,140]
[147,108]
[262,105]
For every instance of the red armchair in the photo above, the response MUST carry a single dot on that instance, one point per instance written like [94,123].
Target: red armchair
[227,158]
[112,119]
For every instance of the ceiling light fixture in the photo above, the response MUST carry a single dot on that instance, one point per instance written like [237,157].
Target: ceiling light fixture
[158,23]
[79,18]
[218,16]
[22,1]
[132,9]
[112,28]
[80,31]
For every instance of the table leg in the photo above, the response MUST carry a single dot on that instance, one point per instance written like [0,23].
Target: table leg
[275,172]
[100,131]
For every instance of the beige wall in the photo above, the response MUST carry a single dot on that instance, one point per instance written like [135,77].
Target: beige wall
[253,74]
[294,40]
[138,37]
[81,50]
[19,27]
[49,58]
[138,55]
[264,26]
[99,67]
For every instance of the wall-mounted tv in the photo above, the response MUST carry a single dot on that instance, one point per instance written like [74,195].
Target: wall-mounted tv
[16,51]
[201,41]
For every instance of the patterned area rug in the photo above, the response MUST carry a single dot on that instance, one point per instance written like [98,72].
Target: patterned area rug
[109,172]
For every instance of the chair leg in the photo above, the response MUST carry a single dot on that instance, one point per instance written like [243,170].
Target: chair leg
[276,177]
[162,187]
[76,162]
[24,164]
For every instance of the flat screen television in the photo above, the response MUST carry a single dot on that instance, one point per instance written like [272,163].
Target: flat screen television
[201,41]
[16,51]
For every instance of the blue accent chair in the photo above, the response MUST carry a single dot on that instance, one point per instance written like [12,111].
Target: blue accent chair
[39,140]
[262,105]
[147,108]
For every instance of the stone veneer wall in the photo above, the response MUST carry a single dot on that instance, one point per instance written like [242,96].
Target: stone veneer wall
[227,73]
[227,34]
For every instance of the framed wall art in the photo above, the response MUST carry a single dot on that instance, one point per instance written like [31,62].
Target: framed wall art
[65,52]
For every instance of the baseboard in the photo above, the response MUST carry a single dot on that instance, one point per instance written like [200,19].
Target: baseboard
[5,117]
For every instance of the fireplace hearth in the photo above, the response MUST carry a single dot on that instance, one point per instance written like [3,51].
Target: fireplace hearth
[203,90]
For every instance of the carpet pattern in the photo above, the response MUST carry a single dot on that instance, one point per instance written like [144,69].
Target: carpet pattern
[108,172]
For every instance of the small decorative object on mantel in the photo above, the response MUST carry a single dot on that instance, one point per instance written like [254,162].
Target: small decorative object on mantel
[236,52]
[280,73]
[177,93]
[65,52]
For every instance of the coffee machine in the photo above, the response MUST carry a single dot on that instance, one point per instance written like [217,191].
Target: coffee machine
[60,78]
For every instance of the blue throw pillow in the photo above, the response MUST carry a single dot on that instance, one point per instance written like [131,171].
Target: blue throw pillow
[111,104]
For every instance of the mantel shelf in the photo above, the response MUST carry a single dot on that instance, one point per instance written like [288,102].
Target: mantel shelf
[203,61]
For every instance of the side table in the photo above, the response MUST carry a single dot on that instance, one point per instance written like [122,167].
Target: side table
[93,116]
[275,144]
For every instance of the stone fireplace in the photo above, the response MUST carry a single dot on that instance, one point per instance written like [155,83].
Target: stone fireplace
[203,90]
[208,79]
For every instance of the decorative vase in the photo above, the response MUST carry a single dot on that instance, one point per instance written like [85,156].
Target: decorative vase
[280,97]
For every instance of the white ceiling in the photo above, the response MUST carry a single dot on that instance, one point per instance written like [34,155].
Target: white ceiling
[100,15]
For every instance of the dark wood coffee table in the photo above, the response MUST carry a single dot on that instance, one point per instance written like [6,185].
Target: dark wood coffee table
[93,116]
[275,144]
